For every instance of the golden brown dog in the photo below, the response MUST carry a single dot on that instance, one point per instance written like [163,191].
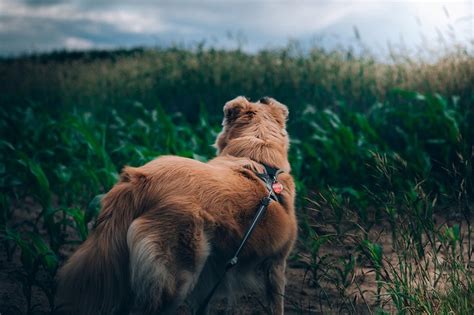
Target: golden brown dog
[166,229]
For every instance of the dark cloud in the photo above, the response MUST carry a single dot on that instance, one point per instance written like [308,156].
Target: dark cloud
[81,24]
[41,2]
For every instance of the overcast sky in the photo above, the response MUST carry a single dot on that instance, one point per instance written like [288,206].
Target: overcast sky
[35,25]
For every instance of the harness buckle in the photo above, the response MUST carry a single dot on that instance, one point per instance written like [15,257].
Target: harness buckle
[269,177]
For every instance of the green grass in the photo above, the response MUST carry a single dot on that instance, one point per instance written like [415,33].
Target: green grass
[373,159]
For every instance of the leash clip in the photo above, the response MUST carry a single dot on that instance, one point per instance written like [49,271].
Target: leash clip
[232,262]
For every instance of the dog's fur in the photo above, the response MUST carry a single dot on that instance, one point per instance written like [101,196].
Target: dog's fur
[166,229]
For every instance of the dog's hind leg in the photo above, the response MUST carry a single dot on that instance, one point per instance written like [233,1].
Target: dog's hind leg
[275,286]
[167,252]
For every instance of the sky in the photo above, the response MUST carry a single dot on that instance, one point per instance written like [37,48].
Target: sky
[28,26]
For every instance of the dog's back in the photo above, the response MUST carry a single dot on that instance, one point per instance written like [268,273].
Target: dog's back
[149,238]
[159,225]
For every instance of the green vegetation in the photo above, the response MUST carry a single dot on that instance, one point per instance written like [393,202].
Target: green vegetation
[384,173]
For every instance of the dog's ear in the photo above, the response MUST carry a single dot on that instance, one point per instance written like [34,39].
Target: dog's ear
[234,108]
[282,108]
[279,109]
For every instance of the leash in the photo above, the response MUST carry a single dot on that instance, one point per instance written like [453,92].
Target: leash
[274,188]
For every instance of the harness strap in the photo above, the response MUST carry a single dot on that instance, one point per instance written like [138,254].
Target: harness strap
[269,178]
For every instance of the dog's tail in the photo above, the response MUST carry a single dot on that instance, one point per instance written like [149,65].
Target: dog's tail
[95,280]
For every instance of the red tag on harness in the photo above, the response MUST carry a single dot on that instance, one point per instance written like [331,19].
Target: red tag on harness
[277,187]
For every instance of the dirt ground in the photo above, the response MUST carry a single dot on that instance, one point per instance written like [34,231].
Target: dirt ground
[303,295]
[300,298]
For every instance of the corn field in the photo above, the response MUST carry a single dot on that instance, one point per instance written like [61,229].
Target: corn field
[382,154]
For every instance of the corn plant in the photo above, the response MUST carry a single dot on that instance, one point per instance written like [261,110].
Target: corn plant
[35,255]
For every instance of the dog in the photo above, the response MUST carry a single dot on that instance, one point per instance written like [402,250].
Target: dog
[166,229]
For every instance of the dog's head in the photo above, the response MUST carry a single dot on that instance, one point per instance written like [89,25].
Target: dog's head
[259,123]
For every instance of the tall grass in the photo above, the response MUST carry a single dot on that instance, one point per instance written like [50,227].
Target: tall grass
[384,173]
[395,256]
[181,79]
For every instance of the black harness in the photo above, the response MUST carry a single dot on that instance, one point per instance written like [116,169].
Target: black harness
[269,177]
